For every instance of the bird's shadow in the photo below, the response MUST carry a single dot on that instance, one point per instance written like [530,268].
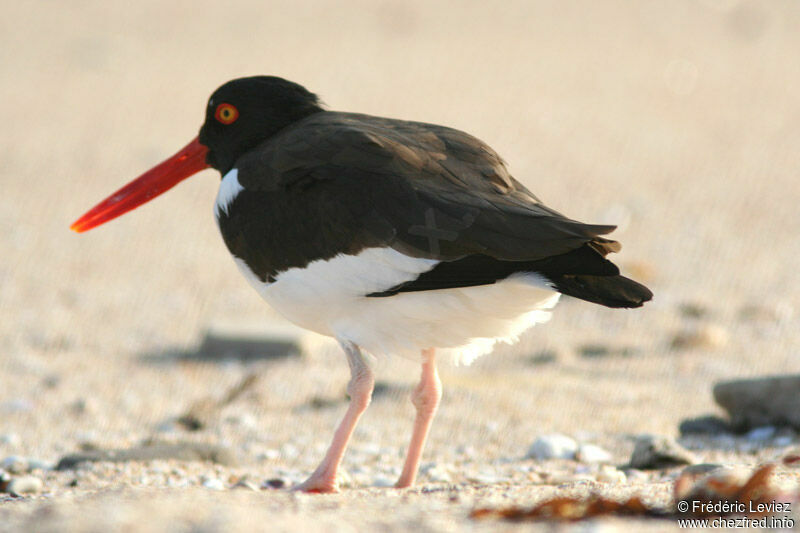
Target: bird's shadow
[220,348]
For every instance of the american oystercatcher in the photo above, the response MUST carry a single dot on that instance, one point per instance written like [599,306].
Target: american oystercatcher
[390,236]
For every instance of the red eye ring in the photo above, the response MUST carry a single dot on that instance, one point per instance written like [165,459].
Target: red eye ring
[226,113]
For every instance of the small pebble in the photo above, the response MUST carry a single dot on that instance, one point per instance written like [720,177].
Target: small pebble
[704,425]
[274,483]
[17,405]
[704,337]
[24,485]
[269,455]
[15,465]
[609,474]
[38,464]
[700,469]
[289,451]
[84,406]
[466,451]
[213,484]
[244,484]
[554,446]
[438,474]
[761,434]
[636,476]
[10,439]
[783,441]
[657,451]
[382,481]
[486,478]
[591,453]
[694,310]
[568,479]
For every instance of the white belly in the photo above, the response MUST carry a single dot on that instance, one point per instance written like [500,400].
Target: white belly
[328,297]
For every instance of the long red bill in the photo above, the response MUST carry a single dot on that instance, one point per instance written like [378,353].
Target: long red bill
[190,160]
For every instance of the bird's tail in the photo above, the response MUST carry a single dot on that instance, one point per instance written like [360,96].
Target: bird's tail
[611,291]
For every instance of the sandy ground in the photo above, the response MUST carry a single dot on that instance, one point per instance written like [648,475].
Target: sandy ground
[678,120]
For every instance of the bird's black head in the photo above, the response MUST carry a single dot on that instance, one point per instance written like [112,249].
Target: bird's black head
[245,112]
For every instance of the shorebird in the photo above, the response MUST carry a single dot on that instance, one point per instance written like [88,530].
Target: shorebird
[391,236]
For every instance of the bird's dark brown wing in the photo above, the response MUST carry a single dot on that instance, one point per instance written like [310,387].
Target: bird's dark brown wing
[425,190]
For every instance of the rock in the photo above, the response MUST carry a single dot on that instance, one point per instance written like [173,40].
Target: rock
[600,350]
[609,474]
[16,405]
[591,453]
[84,406]
[700,337]
[761,434]
[569,479]
[244,484]
[15,465]
[24,485]
[182,451]
[700,469]
[382,481]
[436,473]
[274,483]
[705,425]
[213,483]
[289,451]
[554,446]
[10,439]
[268,455]
[38,464]
[543,357]
[759,402]
[636,476]
[486,478]
[656,451]
[694,310]
[758,313]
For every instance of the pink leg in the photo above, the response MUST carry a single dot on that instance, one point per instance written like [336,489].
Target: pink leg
[362,381]
[426,399]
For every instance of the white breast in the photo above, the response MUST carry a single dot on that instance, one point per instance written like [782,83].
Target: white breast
[229,188]
[329,297]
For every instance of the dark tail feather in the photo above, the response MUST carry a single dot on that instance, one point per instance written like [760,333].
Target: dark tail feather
[611,291]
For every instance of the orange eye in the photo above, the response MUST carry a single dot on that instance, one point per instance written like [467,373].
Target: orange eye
[226,113]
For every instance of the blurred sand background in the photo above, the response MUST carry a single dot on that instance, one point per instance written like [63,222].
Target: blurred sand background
[677,120]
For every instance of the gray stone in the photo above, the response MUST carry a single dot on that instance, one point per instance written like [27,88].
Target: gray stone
[15,464]
[554,446]
[382,481]
[38,464]
[700,469]
[759,402]
[657,451]
[274,483]
[591,453]
[705,425]
[24,485]
[213,483]
[609,474]
[700,337]
[244,484]
[761,434]
[10,439]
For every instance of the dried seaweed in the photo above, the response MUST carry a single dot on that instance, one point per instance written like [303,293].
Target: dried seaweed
[712,495]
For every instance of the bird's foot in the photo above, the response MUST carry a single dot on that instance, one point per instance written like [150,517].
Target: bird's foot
[318,484]
[404,483]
